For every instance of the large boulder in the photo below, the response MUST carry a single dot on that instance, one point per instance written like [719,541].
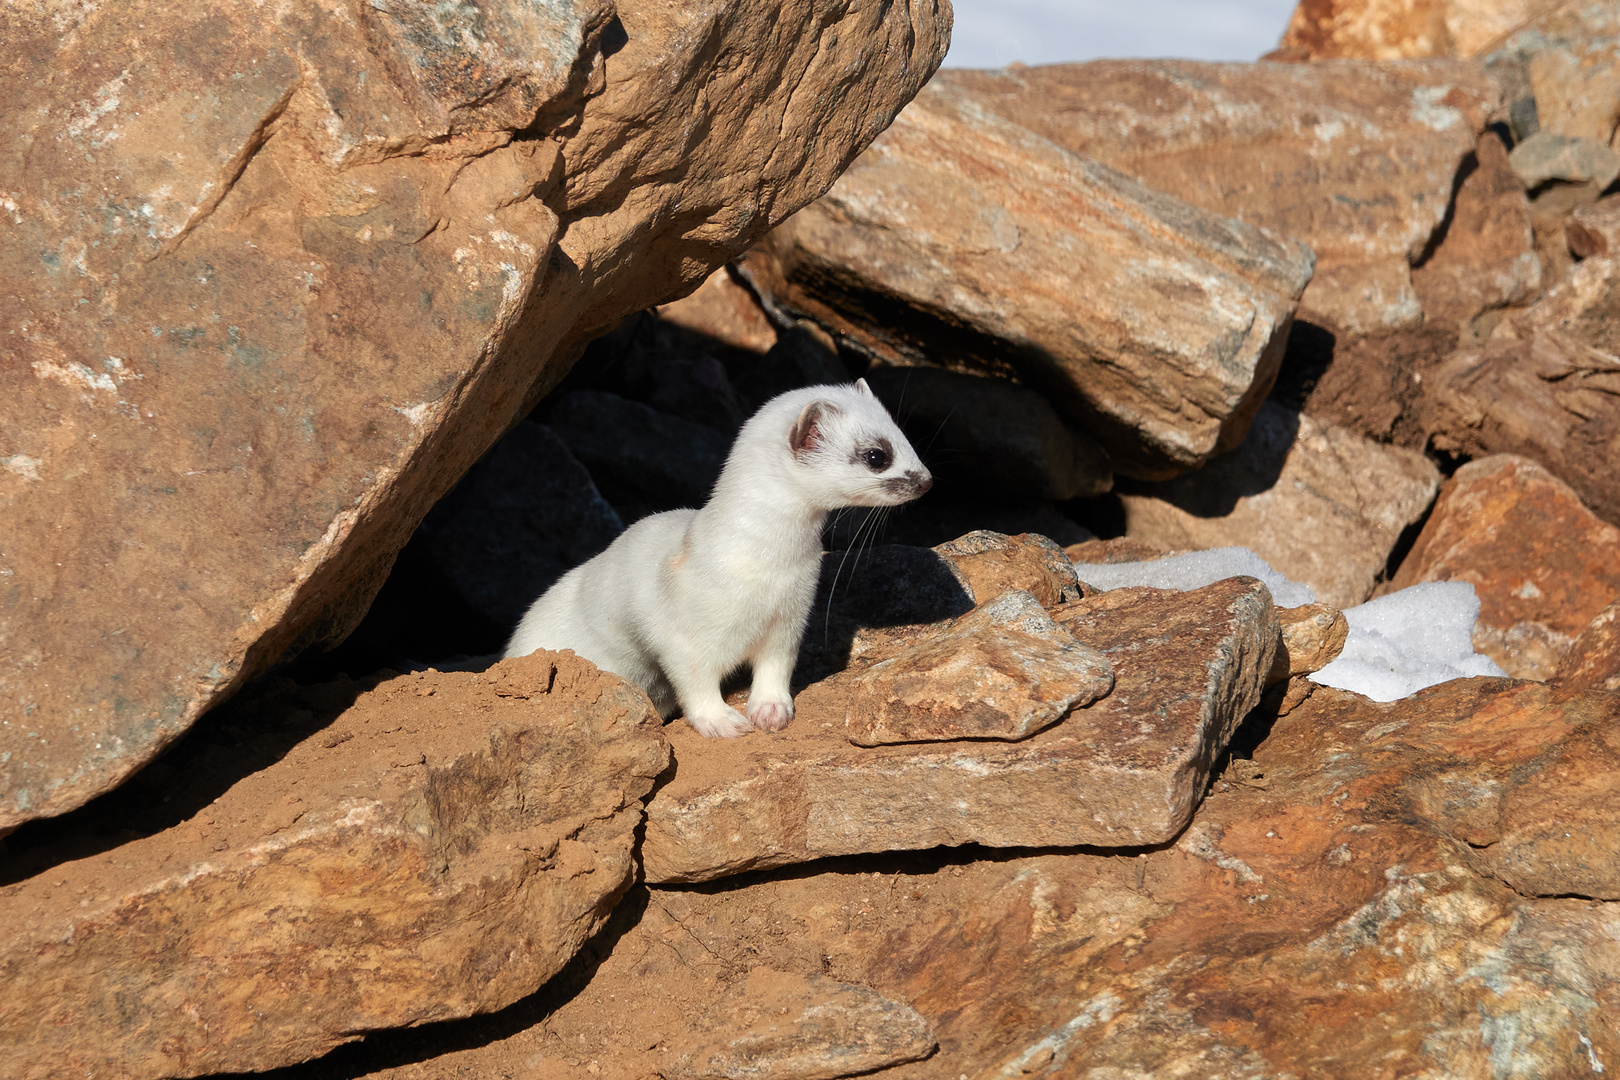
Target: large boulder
[964,238]
[1398,29]
[441,849]
[276,276]
[1356,159]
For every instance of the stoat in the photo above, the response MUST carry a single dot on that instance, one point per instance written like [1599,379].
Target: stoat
[683,598]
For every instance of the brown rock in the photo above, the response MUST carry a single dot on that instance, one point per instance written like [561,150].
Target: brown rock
[1321,504]
[792,1028]
[1003,671]
[441,849]
[1125,771]
[1311,638]
[1570,56]
[1595,229]
[989,563]
[1324,915]
[1486,258]
[991,437]
[960,237]
[1356,159]
[1397,29]
[1547,394]
[1542,564]
[725,311]
[1593,662]
[273,292]
[1120,549]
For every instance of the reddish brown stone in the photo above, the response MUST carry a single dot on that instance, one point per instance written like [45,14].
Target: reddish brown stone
[441,849]
[1391,29]
[1487,258]
[277,275]
[1541,563]
[962,239]
[990,563]
[1003,671]
[1595,229]
[1593,662]
[725,311]
[1356,159]
[1337,908]
[1127,770]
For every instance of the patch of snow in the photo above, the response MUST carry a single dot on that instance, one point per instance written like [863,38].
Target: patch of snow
[1408,640]
[1194,570]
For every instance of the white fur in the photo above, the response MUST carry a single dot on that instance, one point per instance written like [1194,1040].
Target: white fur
[683,598]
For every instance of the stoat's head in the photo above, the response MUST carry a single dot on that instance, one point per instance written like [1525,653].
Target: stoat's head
[848,451]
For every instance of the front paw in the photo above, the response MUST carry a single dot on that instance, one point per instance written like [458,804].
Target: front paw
[770,715]
[721,725]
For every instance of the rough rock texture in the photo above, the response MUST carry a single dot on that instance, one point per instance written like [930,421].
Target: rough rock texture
[1323,505]
[1547,156]
[278,275]
[1595,229]
[1356,159]
[1593,662]
[1542,564]
[1570,59]
[1327,914]
[1003,671]
[441,849]
[1486,258]
[1311,638]
[1127,770]
[1547,385]
[991,437]
[990,563]
[793,1028]
[1398,29]
[725,311]
[961,236]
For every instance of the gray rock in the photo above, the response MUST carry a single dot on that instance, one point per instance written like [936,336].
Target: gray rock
[1548,156]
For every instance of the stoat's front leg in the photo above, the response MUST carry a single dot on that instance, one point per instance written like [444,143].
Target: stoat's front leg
[770,699]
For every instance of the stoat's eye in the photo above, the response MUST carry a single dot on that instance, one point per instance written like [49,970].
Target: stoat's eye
[877,459]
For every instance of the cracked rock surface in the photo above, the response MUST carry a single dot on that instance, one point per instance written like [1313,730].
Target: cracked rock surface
[278,275]
[441,849]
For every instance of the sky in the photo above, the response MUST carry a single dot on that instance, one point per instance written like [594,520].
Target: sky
[994,33]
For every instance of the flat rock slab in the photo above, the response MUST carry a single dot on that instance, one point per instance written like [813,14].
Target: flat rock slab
[1320,503]
[1126,771]
[1541,563]
[1003,671]
[1154,324]
[441,849]
[1356,159]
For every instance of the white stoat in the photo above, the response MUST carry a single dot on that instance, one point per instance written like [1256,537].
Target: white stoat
[684,597]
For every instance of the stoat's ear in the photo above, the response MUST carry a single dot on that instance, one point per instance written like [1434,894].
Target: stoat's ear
[860,385]
[805,438]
